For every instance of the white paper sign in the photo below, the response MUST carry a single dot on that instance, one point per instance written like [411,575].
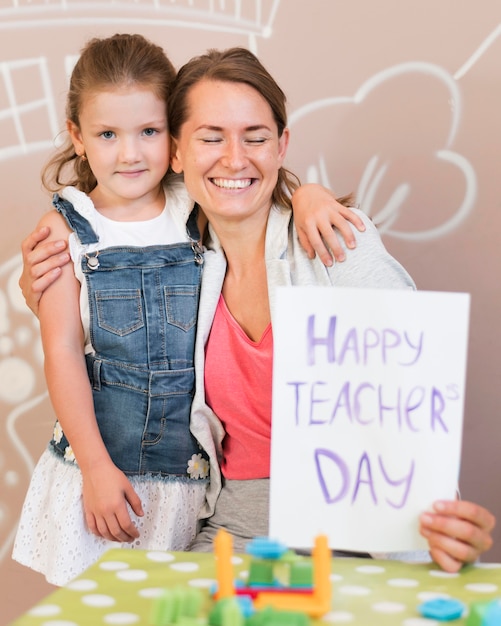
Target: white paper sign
[368,396]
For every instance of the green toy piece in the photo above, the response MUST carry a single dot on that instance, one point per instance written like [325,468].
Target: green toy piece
[301,574]
[261,573]
[226,612]
[179,606]
[484,613]
[271,617]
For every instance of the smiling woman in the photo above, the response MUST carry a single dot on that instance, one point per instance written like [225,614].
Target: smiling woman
[231,151]
[236,162]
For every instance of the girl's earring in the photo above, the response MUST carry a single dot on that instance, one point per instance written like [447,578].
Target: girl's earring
[83,156]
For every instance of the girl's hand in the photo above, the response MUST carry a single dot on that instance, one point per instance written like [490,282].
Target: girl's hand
[458,532]
[42,262]
[316,212]
[106,493]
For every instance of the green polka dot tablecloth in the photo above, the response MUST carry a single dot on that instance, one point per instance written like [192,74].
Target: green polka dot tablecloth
[121,588]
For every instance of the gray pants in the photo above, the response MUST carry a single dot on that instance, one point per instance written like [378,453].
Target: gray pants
[242,509]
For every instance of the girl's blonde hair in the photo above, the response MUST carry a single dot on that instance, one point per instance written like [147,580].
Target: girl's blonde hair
[104,64]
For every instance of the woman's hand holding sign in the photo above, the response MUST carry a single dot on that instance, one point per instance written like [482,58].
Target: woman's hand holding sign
[457,532]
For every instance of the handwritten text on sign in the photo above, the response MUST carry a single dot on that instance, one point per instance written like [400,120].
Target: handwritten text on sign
[368,392]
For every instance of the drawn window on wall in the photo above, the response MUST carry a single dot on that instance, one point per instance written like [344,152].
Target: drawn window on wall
[28,120]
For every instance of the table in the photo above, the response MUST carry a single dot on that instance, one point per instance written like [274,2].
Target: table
[121,587]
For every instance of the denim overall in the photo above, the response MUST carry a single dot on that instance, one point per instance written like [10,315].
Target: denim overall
[143,305]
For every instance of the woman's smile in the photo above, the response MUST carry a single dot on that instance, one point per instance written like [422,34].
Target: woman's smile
[231,183]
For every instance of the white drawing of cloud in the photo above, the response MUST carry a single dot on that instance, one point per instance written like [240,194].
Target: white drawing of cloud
[375,171]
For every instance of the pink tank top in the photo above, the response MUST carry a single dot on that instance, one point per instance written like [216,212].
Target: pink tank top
[238,383]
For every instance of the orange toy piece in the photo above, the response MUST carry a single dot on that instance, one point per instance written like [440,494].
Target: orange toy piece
[223,550]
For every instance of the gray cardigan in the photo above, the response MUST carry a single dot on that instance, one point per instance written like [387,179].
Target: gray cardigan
[368,265]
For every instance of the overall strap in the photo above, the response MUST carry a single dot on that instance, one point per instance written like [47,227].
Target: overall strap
[194,234]
[75,221]
[192,225]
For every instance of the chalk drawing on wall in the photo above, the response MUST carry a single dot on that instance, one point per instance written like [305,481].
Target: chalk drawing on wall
[20,364]
[482,49]
[252,18]
[376,167]
[20,135]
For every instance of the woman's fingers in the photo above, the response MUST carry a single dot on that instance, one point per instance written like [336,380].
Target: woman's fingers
[458,532]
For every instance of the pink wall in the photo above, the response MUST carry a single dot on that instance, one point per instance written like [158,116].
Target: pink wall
[396,101]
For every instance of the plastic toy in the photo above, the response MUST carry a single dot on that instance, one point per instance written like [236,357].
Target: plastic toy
[226,612]
[314,601]
[442,609]
[485,613]
[266,548]
[283,589]
[179,605]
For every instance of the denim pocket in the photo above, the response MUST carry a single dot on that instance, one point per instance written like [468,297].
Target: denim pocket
[181,305]
[119,311]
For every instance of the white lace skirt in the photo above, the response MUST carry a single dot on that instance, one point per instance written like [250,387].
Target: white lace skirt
[52,536]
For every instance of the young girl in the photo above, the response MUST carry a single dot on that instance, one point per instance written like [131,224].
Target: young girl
[118,328]
[122,464]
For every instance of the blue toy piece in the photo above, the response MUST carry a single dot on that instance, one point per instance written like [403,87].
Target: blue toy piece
[245,605]
[265,548]
[442,609]
[493,614]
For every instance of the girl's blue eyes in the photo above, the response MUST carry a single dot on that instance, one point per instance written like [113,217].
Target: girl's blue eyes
[109,134]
